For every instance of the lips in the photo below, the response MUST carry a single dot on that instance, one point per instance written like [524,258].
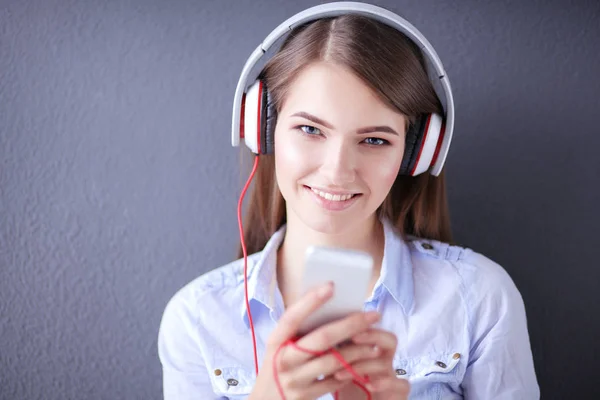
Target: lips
[333,196]
[333,201]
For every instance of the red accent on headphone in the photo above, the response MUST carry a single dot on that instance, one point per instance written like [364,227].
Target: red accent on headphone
[439,143]
[425,132]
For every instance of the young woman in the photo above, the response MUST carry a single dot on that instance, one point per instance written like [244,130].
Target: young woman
[441,321]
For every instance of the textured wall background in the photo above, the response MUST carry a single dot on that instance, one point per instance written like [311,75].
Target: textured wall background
[118,184]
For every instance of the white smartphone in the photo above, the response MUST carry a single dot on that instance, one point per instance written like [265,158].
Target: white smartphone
[349,270]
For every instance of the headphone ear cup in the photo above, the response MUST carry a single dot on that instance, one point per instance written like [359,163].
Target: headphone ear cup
[426,145]
[270,113]
[258,119]
[413,140]
[252,116]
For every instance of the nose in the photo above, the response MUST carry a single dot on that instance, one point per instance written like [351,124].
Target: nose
[339,163]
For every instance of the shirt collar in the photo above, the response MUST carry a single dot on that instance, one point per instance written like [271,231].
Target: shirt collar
[396,272]
[262,276]
[397,269]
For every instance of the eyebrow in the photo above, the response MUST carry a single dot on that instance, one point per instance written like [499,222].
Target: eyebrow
[368,129]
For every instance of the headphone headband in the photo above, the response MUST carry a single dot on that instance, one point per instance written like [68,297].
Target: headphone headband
[435,69]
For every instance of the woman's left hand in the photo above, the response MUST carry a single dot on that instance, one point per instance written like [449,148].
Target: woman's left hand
[383,383]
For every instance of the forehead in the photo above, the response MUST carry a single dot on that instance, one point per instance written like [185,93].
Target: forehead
[335,93]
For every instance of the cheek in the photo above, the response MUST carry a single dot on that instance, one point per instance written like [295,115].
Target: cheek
[385,171]
[290,159]
[286,152]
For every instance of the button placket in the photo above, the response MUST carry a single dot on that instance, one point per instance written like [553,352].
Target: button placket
[232,382]
[403,367]
[441,366]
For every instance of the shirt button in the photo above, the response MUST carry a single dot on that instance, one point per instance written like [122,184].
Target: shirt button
[400,372]
[441,364]
[218,372]
[232,382]
[456,356]
[427,246]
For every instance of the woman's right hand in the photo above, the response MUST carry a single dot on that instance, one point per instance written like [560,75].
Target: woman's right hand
[298,371]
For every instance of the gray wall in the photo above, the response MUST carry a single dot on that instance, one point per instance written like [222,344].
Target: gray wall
[118,184]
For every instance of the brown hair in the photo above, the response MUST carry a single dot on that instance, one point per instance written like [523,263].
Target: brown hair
[393,67]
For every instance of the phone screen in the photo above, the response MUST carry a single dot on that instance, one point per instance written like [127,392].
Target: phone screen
[349,270]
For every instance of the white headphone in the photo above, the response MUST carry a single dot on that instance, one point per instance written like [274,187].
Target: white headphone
[428,141]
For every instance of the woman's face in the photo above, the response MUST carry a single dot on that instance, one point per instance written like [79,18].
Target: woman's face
[338,149]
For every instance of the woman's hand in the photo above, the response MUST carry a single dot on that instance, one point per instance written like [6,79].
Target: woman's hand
[298,372]
[383,383]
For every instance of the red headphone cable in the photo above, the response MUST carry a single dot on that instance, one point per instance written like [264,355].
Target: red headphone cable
[358,380]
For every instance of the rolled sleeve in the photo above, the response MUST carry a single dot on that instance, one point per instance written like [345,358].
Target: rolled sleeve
[500,361]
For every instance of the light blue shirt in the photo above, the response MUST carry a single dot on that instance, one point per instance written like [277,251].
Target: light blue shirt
[458,316]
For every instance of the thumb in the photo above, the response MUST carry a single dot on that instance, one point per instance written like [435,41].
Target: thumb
[292,318]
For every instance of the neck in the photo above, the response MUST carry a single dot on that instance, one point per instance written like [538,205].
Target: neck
[365,236]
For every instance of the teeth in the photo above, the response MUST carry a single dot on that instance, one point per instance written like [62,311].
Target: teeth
[333,197]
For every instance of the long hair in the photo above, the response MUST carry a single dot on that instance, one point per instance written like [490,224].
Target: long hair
[393,67]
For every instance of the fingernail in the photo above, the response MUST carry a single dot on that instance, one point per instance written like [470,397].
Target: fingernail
[325,290]
[373,317]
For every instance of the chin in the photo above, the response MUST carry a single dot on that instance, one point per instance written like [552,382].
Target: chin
[334,223]
[328,225]
[328,222]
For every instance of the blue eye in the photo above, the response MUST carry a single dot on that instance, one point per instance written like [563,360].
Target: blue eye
[310,130]
[376,141]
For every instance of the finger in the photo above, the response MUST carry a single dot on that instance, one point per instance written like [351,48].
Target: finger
[322,387]
[328,364]
[334,333]
[392,385]
[371,368]
[384,339]
[291,319]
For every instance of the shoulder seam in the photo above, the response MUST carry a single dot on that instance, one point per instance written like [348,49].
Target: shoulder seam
[464,291]
[226,279]
[442,250]
[462,252]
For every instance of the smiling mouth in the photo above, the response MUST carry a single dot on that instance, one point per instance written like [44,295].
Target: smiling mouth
[333,196]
